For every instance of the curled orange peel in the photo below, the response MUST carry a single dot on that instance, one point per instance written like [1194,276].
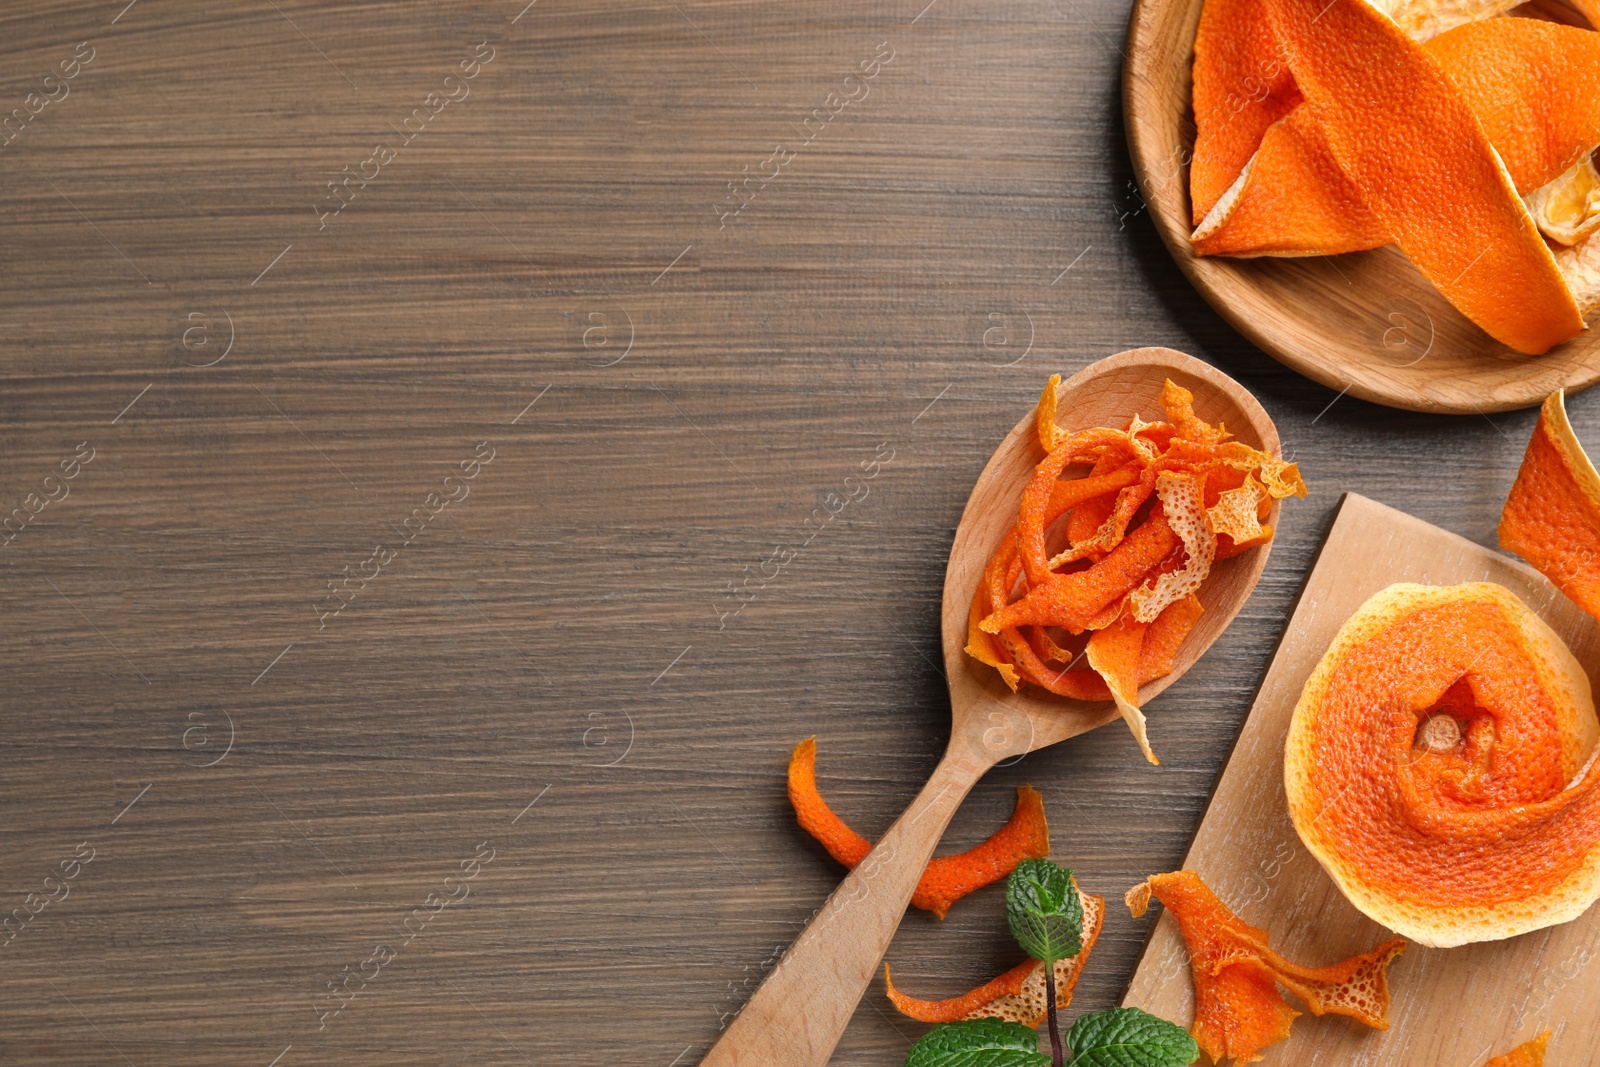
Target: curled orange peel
[1478,246]
[1441,761]
[1552,516]
[1533,85]
[1238,1009]
[1527,1054]
[1026,835]
[1018,995]
[1119,551]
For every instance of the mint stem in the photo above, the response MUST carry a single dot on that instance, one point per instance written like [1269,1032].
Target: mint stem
[1057,1049]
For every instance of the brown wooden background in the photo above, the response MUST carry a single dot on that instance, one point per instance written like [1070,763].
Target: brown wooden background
[910,278]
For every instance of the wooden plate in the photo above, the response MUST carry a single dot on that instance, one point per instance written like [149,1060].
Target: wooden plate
[1453,1007]
[1367,322]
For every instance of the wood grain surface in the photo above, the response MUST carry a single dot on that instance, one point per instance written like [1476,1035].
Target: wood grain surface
[1366,322]
[595,628]
[1450,1006]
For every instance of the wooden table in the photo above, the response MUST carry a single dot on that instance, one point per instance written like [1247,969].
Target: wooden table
[514,780]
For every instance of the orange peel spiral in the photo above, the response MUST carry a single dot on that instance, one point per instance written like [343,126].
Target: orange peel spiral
[1441,759]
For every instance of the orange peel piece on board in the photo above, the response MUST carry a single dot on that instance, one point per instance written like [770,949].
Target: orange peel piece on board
[1477,245]
[1552,517]
[1428,766]
[1026,835]
[1238,1009]
[1527,1054]
[1017,996]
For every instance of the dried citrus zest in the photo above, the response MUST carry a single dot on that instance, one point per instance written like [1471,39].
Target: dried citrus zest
[1178,403]
[1050,434]
[1477,245]
[1241,87]
[1527,1054]
[1026,835]
[1070,600]
[1183,504]
[1567,209]
[1070,494]
[1018,995]
[1083,446]
[1238,1009]
[1236,513]
[1114,654]
[1552,517]
[1165,636]
[816,818]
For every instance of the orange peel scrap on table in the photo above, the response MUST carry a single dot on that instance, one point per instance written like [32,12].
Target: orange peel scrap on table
[1238,1008]
[1017,996]
[1119,551]
[1527,1054]
[1441,761]
[1460,135]
[1026,835]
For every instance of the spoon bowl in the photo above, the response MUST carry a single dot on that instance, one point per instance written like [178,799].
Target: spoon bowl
[1105,393]
[798,1015]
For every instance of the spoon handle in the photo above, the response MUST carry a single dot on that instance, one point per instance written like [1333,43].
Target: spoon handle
[798,1015]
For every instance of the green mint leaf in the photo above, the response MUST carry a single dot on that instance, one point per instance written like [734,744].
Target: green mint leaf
[978,1043]
[1128,1037]
[1045,911]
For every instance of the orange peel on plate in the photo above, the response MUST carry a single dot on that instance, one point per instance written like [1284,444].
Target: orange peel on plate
[1119,551]
[1017,996]
[1421,123]
[1238,1009]
[1477,245]
[1026,835]
[1441,762]
[1534,86]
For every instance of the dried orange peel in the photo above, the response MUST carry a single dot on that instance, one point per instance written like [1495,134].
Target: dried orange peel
[1238,1009]
[1365,136]
[1527,1054]
[947,878]
[1017,996]
[1441,760]
[1119,551]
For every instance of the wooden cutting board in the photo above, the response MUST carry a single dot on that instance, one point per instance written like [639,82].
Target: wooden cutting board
[1451,1007]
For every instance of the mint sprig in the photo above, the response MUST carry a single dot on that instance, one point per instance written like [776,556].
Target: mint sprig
[1129,1037]
[1046,917]
[978,1043]
[1045,911]
[1121,1037]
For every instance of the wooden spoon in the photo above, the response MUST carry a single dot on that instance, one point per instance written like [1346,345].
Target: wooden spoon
[800,1011]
